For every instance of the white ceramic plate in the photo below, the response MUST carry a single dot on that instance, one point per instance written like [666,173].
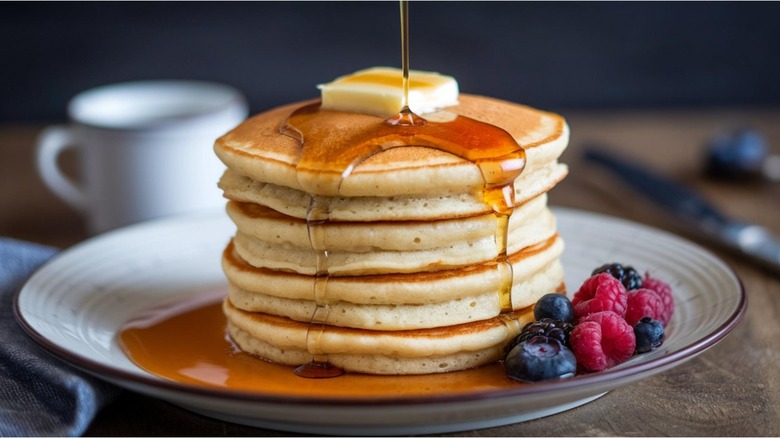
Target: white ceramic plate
[75,305]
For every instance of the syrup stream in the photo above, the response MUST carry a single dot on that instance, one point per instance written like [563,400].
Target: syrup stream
[404,4]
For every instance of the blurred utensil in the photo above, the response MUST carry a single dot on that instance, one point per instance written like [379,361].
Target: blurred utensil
[694,211]
[740,154]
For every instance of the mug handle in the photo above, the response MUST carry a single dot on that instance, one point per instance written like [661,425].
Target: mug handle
[52,141]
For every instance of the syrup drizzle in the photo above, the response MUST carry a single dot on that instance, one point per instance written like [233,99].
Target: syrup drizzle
[327,159]
[404,4]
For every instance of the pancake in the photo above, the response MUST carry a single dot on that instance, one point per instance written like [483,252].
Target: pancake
[257,149]
[435,206]
[418,288]
[284,341]
[399,301]
[391,247]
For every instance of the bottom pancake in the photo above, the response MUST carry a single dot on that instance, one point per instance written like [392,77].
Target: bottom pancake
[426,351]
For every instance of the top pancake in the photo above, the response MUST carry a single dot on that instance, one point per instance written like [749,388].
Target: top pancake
[258,150]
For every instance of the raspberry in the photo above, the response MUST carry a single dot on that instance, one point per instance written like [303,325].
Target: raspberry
[598,293]
[665,292]
[602,340]
[641,303]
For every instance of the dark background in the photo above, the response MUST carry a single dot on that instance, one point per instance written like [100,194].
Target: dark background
[551,55]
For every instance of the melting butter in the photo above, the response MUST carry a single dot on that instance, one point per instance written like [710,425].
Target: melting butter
[379,91]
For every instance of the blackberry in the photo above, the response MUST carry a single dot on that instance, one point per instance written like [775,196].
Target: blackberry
[545,327]
[626,274]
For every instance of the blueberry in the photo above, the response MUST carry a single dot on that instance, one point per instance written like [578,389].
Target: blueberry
[538,359]
[739,154]
[649,334]
[554,306]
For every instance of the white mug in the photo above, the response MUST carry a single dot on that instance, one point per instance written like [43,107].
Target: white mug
[146,150]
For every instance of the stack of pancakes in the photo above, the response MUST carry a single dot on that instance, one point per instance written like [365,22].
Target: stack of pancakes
[401,276]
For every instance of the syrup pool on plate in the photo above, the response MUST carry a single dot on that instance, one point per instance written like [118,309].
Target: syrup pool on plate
[187,342]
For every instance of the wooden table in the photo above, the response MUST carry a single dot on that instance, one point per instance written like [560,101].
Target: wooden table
[731,389]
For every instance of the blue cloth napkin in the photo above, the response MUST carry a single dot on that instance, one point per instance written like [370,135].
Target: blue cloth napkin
[40,395]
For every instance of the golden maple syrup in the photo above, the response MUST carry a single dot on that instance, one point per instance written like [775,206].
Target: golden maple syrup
[188,343]
[327,158]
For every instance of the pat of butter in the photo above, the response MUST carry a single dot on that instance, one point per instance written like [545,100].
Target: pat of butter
[379,91]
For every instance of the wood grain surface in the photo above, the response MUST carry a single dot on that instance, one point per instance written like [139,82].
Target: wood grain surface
[732,389]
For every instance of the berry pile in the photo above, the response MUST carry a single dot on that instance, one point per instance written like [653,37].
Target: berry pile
[614,315]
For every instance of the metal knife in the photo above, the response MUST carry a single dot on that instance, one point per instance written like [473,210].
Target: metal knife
[693,211]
